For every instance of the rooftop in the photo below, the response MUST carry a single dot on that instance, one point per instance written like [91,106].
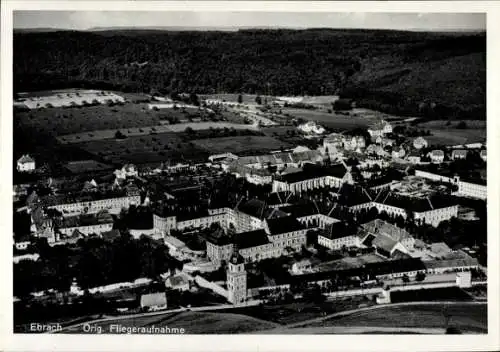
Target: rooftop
[284,225]
[335,230]
[381,227]
[250,239]
[25,159]
[154,299]
[311,171]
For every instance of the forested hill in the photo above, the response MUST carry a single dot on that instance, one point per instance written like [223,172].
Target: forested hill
[417,73]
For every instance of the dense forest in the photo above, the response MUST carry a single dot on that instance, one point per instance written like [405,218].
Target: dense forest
[426,74]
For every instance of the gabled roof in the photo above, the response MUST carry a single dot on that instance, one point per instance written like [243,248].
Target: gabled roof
[254,207]
[384,242]
[284,225]
[250,239]
[177,280]
[381,227]
[154,299]
[437,153]
[335,230]
[110,235]
[25,159]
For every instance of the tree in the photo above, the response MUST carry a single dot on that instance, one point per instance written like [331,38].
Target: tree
[120,135]
[420,276]
[462,125]
[240,99]
[406,279]
[258,100]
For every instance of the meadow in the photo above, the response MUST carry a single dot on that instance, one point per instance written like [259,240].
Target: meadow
[241,144]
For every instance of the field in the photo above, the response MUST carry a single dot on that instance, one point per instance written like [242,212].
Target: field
[450,135]
[86,166]
[246,144]
[293,313]
[61,121]
[192,323]
[144,149]
[470,317]
[331,120]
[82,120]
[144,131]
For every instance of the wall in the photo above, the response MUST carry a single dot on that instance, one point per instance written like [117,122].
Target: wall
[211,286]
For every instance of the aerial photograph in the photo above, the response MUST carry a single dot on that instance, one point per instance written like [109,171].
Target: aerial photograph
[191,172]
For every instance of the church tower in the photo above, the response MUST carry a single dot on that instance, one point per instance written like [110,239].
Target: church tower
[236,279]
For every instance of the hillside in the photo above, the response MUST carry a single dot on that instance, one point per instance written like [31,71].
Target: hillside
[435,75]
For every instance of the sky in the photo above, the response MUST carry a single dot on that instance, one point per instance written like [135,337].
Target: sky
[81,20]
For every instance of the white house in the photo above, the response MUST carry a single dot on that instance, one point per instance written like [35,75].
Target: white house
[25,164]
[459,154]
[380,128]
[436,156]
[420,142]
[398,153]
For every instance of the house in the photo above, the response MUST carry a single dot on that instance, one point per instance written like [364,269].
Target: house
[414,157]
[311,127]
[300,149]
[384,142]
[128,170]
[398,153]
[379,128]
[26,164]
[154,301]
[458,154]
[336,236]
[178,282]
[22,242]
[436,156]
[483,154]
[377,150]
[387,239]
[354,143]
[420,142]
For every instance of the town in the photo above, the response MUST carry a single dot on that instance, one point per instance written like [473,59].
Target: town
[267,209]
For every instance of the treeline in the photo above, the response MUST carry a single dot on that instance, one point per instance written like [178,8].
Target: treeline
[93,262]
[271,62]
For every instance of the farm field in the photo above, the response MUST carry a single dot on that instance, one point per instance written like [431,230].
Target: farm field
[86,166]
[79,120]
[331,120]
[292,313]
[450,135]
[241,144]
[144,149]
[466,317]
[60,121]
[144,131]
[193,323]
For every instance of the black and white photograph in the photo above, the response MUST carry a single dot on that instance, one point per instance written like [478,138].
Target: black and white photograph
[186,172]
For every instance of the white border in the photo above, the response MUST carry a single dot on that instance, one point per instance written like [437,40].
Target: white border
[11,342]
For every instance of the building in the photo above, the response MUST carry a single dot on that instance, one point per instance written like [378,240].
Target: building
[286,232]
[458,154]
[336,236]
[429,209]
[436,156]
[398,153]
[219,157]
[90,202]
[236,279]
[384,141]
[377,150]
[471,190]
[387,239]
[310,127]
[414,157]
[26,164]
[464,279]
[420,142]
[128,170]
[379,128]
[86,224]
[313,177]
[178,282]
[252,175]
[154,301]
[354,143]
